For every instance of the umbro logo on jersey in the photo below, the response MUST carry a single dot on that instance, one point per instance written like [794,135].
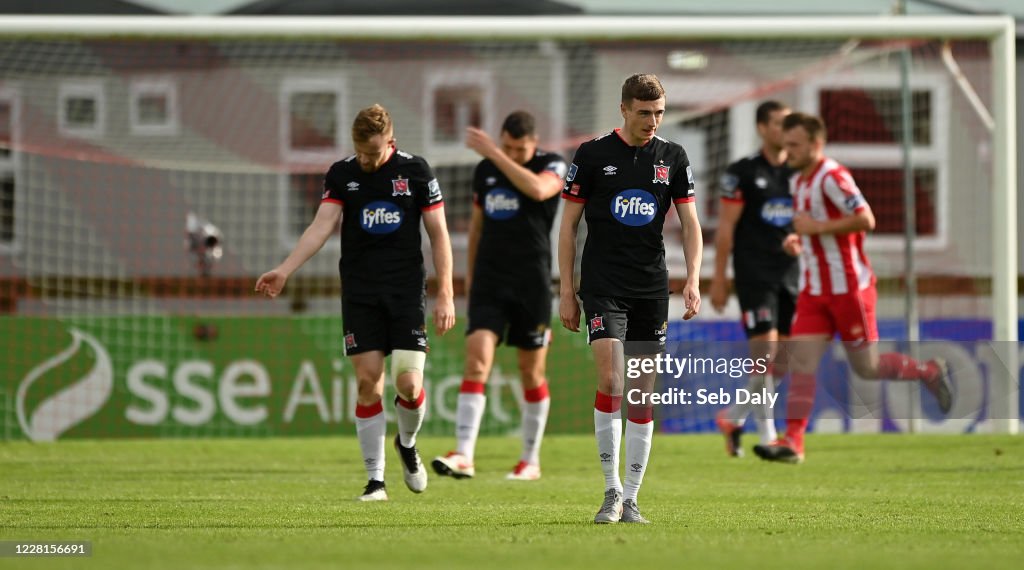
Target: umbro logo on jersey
[352,186]
[761,182]
[400,187]
[490,181]
[609,170]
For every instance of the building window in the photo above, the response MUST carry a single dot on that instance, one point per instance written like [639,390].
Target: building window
[311,119]
[454,100]
[154,107]
[862,114]
[82,109]
[312,111]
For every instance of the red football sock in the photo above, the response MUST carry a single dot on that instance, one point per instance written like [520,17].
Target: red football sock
[895,366]
[799,405]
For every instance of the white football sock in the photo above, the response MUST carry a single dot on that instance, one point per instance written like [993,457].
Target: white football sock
[370,428]
[535,418]
[764,416]
[638,451]
[471,405]
[608,429]
[410,417]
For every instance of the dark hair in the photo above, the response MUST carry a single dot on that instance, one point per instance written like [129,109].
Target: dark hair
[642,87]
[519,124]
[814,126]
[373,120]
[765,110]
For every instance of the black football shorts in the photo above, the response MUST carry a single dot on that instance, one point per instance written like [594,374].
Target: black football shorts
[384,321]
[519,314]
[641,324]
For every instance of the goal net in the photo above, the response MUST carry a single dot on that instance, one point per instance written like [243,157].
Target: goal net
[151,169]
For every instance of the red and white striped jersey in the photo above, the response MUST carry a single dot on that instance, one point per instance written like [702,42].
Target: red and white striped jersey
[831,264]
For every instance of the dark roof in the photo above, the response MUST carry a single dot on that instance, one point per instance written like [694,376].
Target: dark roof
[75,7]
[406,8]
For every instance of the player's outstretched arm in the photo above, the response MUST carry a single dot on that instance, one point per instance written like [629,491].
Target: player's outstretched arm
[441,248]
[863,220]
[535,186]
[693,245]
[316,235]
[729,213]
[568,306]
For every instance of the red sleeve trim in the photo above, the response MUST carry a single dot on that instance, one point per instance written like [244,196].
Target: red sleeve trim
[860,208]
[576,199]
[733,200]
[432,207]
[333,201]
[686,200]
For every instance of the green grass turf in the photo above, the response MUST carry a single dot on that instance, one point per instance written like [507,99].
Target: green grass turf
[859,502]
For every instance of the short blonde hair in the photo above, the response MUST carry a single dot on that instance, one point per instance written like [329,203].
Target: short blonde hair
[371,121]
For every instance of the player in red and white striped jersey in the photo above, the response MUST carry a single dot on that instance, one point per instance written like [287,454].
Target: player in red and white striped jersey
[837,286]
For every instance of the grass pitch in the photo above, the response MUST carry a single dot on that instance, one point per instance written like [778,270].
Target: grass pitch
[859,501]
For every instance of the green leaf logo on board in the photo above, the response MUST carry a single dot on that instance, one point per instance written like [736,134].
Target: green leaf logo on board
[73,403]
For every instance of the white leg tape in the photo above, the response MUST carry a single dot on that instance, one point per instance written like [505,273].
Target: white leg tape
[403,361]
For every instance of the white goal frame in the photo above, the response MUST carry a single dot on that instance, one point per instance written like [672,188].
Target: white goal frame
[999,31]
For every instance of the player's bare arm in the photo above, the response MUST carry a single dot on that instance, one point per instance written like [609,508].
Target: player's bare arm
[535,186]
[316,235]
[441,249]
[568,306]
[728,215]
[693,245]
[863,220]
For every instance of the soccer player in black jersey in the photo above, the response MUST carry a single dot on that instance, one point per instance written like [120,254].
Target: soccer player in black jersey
[380,194]
[515,197]
[625,182]
[754,222]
